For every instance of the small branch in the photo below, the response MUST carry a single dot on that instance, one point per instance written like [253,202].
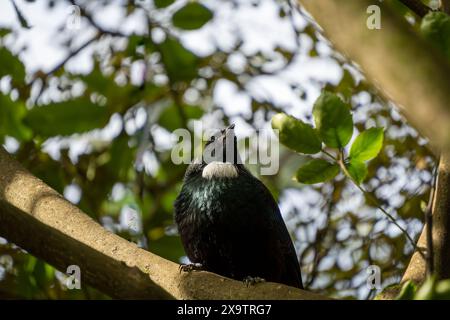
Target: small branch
[72,54]
[376,202]
[91,20]
[417,7]
[329,155]
[44,76]
[20,16]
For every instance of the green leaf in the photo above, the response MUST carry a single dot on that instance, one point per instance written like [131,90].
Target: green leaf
[170,116]
[192,16]
[4,32]
[407,292]
[11,65]
[426,291]
[442,290]
[357,170]
[317,171]
[68,117]
[11,119]
[296,134]
[163,3]
[435,27]
[367,145]
[333,120]
[180,63]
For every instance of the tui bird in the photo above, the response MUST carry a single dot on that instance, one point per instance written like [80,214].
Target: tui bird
[229,222]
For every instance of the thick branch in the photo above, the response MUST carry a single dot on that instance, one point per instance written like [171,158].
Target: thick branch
[400,63]
[38,219]
[441,231]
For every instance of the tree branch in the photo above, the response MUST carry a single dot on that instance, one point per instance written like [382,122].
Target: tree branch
[445,6]
[399,62]
[441,230]
[417,7]
[38,219]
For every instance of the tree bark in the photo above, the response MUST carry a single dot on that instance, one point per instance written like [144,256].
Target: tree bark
[39,220]
[441,231]
[395,59]
[445,6]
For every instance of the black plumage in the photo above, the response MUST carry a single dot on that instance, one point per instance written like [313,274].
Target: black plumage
[230,223]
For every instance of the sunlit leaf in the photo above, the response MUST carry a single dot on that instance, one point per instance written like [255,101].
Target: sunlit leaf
[367,145]
[407,292]
[333,120]
[426,291]
[296,134]
[442,290]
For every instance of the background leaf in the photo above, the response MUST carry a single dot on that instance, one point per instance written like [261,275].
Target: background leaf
[163,3]
[180,63]
[296,134]
[435,27]
[192,16]
[317,171]
[11,116]
[11,65]
[68,117]
[367,145]
[170,117]
[333,120]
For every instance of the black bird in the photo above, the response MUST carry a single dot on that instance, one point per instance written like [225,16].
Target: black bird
[229,222]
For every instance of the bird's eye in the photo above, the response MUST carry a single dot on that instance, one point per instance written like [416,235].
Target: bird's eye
[213,138]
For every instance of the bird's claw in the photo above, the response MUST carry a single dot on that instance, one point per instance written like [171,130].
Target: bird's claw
[250,281]
[190,267]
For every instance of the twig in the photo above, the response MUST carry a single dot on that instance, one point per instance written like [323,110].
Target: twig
[44,76]
[417,7]
[377,204]
[20,16]
[329,154]
[91,20]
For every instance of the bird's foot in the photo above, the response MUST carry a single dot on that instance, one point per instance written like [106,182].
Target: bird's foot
[191,267]
[251,281]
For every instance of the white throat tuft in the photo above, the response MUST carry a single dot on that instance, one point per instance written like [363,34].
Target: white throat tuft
[218,169]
